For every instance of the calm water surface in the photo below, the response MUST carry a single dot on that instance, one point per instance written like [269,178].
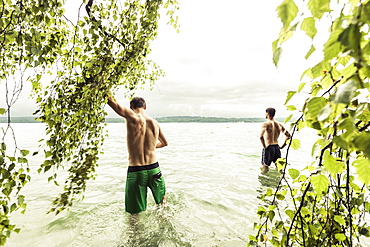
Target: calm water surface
[213,178]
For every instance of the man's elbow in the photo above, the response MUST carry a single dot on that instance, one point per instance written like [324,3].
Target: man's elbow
[162,144]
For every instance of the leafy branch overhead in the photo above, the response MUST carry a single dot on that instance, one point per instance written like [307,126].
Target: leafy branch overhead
[324,203]
[71,65]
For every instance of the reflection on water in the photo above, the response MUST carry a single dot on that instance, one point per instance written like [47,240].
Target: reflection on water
[271,180]
[154,227]
[108,224]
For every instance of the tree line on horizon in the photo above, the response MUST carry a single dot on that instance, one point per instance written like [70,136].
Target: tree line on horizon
[170,119]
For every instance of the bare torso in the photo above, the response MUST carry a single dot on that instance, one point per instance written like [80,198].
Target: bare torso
[142,136]
[270,132]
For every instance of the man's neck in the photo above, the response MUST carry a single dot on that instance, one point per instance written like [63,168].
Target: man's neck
[139,111]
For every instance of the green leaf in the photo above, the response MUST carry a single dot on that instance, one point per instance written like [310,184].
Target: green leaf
[269,192]
[288,118]
[280,197]
[25,152]
[301,86]
[22,160]
[294,173]
[280,163]
[13,207]
[347,124]
[332,47]
[362,143]
[319,7]
[290,94]
[285,35]
[294,143]
[324,113]
[276,56]
[317,70]
[350,37]
[307,72]
[363,170]
[11,167]
[12,159]
[47,168]
[340,142]
[331,164]
[315,105]
[302,178]
[287,11]
[345,92]
[364,231]
[349,71]
[320,183]
[340,236]
[271,215]
[309,53]
[308,26]
[2,111]
[289,213]
[291,108]
[261,210]
[301,125]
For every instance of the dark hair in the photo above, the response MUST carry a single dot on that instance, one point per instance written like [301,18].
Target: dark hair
[137,102]
[271,111]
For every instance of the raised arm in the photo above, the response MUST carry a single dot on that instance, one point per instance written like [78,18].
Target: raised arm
[121,110]
[287,136]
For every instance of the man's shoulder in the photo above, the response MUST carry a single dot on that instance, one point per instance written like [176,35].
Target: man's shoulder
[265,125]
[151,120]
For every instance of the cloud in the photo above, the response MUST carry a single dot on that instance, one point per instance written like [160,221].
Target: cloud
[220,64]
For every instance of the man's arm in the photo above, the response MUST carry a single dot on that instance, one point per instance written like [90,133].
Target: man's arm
[120,110]
[262,139]
[287,136]
[162,141]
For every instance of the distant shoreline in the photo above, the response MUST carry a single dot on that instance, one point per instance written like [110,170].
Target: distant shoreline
[173,119]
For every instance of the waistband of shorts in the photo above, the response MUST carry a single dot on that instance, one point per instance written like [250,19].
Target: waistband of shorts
[142,168]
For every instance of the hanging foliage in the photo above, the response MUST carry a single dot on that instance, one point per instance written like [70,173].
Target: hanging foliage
[71,64]
[325,203]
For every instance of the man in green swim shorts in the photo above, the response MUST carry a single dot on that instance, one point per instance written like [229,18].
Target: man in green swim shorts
[144,135]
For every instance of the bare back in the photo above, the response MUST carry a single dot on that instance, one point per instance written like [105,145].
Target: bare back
[270,132]
[142,136]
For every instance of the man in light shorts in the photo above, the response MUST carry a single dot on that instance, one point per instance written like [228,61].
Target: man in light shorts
[144,135]
[270,132]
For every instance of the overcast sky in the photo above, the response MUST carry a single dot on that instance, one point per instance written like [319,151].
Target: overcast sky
[220,64]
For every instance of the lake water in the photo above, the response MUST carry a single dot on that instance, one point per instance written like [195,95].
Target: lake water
[213,178]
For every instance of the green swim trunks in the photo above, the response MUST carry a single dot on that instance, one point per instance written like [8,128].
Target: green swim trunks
[139,178]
